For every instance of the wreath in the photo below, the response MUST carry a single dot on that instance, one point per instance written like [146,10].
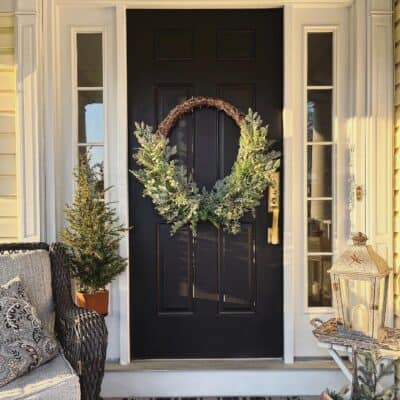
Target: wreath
[173,190]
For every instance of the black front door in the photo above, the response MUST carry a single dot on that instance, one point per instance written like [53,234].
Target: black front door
[222,296]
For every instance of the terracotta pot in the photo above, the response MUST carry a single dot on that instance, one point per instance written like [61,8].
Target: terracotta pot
[97,301]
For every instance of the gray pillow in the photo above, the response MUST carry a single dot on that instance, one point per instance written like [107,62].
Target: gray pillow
[34,269]
[24,343]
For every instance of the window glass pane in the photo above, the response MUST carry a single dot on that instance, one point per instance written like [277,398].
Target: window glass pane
[319,225]
[319,116]
[90,59]
[320,57]
[96,156]
[319,171]
[319,282]
[91,119]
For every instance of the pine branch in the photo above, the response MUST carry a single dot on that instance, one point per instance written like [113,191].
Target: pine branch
[92,233]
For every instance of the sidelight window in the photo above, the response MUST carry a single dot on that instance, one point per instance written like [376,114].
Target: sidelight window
[89,100]
[320,159]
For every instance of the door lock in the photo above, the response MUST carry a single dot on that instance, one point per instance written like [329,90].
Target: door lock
[273,207]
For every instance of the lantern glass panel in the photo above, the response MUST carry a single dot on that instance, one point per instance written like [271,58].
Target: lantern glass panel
[381,303]
[356,299]
[344,294]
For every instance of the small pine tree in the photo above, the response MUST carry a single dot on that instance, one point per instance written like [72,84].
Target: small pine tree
[368,370]
[92,232]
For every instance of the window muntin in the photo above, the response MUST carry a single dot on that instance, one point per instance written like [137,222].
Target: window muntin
[319,151]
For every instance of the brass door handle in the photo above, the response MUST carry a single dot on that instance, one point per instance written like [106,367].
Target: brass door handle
[273,207]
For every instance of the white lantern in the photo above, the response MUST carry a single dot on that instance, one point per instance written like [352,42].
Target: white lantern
[360,287]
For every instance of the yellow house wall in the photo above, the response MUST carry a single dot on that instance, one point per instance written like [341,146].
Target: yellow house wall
[8,173]
[396,185]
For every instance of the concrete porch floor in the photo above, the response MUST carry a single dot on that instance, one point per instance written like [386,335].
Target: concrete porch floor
[220,378]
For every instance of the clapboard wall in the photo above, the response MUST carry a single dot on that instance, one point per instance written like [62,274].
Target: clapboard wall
[396,181]
[8,173]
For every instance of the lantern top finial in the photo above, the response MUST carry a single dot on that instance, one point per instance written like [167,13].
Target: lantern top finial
[360,239]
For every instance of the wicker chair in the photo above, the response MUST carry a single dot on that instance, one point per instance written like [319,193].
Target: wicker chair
[82,333]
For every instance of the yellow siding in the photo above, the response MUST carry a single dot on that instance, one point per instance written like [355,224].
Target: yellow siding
[396,169]
[396,166]
[8,165]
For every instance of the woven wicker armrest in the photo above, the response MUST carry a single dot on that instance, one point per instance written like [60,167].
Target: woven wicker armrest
[82,333]
[83,336]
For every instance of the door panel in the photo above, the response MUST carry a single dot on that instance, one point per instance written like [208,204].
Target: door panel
[238,271]
[174,270]
[168,96]
[219,295]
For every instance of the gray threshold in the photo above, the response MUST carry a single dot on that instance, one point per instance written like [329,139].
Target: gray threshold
[220,364]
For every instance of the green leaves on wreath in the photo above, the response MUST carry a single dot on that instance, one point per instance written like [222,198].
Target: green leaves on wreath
[176,196]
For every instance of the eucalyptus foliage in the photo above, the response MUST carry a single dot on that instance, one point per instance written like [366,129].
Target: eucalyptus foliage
[176,196]
[92,234]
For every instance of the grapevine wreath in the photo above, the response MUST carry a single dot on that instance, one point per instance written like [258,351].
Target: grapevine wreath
[174,192]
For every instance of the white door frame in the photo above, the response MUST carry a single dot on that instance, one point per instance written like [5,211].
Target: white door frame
[369,127]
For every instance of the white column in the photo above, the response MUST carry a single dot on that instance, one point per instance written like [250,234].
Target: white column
[122,182]
[379,147]
[358,112]
[51,125]
[290,184]
[28,142]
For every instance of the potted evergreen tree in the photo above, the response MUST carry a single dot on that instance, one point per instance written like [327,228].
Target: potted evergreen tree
[91,238]
[369,369]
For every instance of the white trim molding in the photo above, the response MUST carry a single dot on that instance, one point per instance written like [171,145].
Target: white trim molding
[29,150]
[28,7]
[357,112]
[289,209]
[204,4]
[122,180]
[379,132]
[50,117]
[320,20]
